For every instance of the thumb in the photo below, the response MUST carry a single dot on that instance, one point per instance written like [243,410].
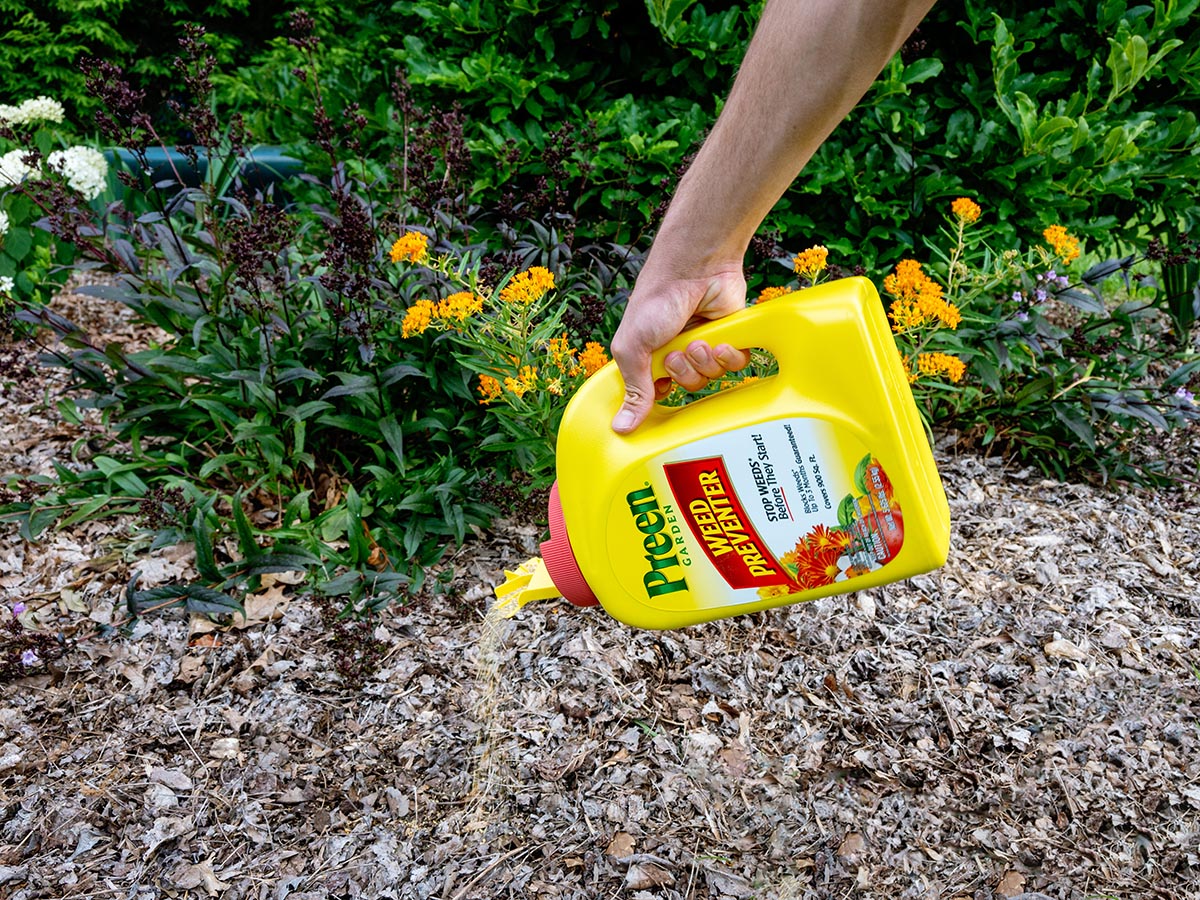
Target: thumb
[639,392]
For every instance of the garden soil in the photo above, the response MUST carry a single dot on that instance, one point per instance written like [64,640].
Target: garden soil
[1024,722]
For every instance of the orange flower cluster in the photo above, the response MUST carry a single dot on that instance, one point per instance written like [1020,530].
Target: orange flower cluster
[489,388]
[1063,244]
[593,358]
[561,363]
[919,299]
[770,293]
[525,381]
[562,354]
[934,364]
[965,210]
[563,357]
[528,286]
[418,317]
[726,384]
[808,263]
[459,307]
[448,313]
[412,246]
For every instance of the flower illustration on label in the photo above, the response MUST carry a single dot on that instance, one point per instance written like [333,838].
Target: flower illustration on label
[869,534]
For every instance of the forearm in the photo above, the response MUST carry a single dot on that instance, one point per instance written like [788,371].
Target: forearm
[809,63]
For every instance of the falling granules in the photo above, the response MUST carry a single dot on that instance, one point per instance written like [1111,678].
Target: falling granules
[487,771]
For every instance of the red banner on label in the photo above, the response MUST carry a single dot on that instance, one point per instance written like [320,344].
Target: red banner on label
[717,518]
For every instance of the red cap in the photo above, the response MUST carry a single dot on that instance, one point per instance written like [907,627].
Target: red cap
[560,559]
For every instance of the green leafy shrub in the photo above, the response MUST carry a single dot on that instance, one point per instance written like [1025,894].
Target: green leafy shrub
[42,42]
[1061,370]
[284,378]
[1086,110]
[512,337]
[610,98]
[1097,125]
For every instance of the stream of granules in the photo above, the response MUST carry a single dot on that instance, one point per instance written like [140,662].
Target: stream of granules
[487,684]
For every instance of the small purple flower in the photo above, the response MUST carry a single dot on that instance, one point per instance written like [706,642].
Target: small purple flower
[1018,296]
[1186,396]
[1050,276]
[1062,281]
[1040,295]
[19,607]
[30,658]
[1022,316]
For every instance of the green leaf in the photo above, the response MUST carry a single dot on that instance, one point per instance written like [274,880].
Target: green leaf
[137,602]
[922,70]
[31,526]
[17,243]
[1182,375]
[860,474]
[293,373]
[1036,390]
[205,601]
[358,425]
[1077,422]
[260,564]
[986,371]
[69,411]
[247,544]
[306,411]
[297,508]
[1081,136]
[1047,128]
[235,460]
[847,511]
[397,372]
[351,386]
[87,511]
[1082,300]
[206,563]
[394,435]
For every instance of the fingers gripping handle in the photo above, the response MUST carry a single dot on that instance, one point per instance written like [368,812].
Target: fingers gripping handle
[785,336]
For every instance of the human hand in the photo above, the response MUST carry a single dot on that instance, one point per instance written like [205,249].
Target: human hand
[662,306]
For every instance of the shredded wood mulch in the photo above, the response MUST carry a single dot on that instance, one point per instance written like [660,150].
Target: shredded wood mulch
[1024,722]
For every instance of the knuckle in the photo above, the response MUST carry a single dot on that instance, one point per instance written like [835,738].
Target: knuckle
[636,398]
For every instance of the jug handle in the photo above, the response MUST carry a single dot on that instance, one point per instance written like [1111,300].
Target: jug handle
[784,339]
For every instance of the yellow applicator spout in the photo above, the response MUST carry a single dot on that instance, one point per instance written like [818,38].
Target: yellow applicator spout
[532,579]
[530,582]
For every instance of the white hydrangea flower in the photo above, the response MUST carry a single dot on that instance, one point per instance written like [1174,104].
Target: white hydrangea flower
[6,284]
[3,223]
[85,169]
[35,109]
[13,169]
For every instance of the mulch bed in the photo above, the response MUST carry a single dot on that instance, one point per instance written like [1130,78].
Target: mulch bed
[1023,722]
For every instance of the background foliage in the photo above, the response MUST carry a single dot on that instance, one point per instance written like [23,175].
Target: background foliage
[42,42]
[1082,111]
[287,408]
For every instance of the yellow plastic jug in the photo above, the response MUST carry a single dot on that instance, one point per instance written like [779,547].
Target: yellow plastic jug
[815,481]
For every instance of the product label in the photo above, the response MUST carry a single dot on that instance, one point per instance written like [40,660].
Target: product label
[722,527]
[759,512]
